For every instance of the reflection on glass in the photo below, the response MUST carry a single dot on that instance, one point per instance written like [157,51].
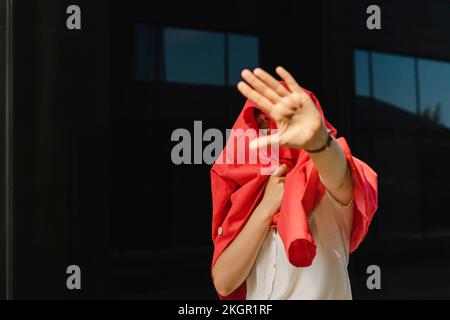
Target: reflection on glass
[195,57]
[394,80]
[362,84]
[192,56]
[242,53]
[434,79]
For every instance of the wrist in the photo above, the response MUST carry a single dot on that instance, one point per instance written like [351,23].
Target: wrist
[265,212]
[319,140]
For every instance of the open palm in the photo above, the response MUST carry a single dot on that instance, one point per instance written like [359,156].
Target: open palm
[299,122]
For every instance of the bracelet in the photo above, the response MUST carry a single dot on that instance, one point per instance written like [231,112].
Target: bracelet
[325,146]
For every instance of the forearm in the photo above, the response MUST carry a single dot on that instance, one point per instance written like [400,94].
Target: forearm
[235,263]
[333,169]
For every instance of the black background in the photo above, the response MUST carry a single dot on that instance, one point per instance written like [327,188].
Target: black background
[94,184]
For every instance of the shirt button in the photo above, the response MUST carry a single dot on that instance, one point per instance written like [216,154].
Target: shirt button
[219,231]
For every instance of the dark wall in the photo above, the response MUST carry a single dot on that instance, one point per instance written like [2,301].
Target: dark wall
[94,184]
[408,236]
[62,149]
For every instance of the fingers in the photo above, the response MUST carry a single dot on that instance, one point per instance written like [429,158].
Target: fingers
[290,81]
[260,86]
[264,141]
[281,171]
[255,96]
[271,82]
[270,95]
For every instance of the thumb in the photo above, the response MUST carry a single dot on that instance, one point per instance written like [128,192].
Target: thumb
[260,142]
[280,171]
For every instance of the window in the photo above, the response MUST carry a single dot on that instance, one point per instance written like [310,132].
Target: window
[394,80]
[192,56]
[362,82]
[415,85]
[242,53]
[195,57]
[434,79]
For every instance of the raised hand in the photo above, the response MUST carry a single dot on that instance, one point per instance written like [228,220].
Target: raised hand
[299,122]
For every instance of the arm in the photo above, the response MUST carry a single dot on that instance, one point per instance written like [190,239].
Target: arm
[332,167]
[233,267]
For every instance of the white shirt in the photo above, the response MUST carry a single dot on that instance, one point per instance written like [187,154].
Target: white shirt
[273,277]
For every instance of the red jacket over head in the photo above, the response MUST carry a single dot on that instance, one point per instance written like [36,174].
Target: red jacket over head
[238,188]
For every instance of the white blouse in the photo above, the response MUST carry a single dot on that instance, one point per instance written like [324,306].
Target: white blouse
[273,277]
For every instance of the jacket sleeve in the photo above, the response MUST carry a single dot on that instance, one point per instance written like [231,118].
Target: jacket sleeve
[365,195]
[222,188]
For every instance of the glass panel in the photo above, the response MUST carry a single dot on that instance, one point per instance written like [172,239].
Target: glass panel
[394,81]
[362,81]
[434,77]
[195,57]
[242,53]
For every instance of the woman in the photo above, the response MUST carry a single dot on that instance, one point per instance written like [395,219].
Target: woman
[288,236]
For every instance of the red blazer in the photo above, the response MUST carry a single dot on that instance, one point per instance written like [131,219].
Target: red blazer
[238,188]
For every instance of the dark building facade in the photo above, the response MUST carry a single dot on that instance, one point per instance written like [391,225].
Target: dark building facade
[94,109]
